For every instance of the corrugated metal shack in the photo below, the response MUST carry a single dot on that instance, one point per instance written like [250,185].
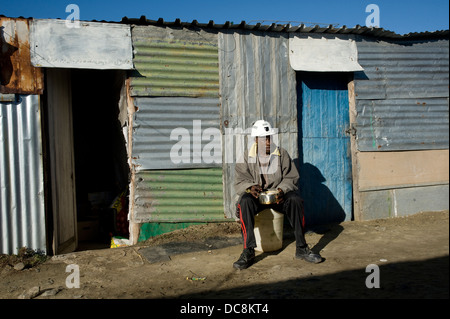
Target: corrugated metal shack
[45,179]
[363,112]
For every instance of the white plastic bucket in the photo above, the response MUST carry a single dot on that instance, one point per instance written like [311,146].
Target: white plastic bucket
[269,230]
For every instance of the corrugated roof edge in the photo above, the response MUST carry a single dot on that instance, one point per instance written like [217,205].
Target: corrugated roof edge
[302,28]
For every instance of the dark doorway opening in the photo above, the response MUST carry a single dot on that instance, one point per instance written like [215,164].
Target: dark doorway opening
[101,169]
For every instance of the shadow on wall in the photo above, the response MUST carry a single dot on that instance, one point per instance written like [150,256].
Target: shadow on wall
[320,204]
[321,207]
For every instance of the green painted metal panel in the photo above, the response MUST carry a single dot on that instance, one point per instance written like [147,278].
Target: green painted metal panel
[149,230]
[174,64]
[188,195]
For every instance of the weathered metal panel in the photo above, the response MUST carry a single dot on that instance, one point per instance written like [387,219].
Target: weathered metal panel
[17,75]
[176,90]
[408,201]
[93,45]
[172,133]
[186,195]
[403,70]
[390,170]
[376,204]
[174,63]
[256,82]
[22,211]
[325,167]
[323,54]
[402,124]
[404,201]
[402,98]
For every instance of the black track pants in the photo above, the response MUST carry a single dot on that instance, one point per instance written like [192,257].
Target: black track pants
[292,207]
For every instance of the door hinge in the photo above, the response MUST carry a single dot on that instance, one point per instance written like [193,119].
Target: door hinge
[351,130]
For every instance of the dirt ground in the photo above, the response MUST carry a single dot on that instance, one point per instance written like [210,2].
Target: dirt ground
[412,255]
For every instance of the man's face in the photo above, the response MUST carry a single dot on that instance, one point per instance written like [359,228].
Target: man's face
[264,143]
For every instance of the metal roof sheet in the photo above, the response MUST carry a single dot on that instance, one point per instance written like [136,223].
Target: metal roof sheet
[288,27]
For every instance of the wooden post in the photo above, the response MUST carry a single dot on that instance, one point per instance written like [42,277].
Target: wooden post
[354,151]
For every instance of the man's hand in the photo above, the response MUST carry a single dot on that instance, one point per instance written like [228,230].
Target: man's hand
[255,190]
[280,196]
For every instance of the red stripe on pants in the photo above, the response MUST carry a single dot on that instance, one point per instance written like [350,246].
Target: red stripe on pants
[244,231]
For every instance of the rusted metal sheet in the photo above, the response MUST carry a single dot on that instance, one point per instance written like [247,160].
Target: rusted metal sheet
[17,75]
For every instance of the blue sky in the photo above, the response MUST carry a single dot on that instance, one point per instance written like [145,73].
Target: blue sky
[399,16]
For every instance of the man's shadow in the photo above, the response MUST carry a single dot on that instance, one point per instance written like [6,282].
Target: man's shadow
[323,212]
[321,206]
[329,233]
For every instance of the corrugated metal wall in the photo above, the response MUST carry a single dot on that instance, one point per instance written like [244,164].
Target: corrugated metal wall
[176,92]
[22,219]
[179,195]
[256,82]
[158,123]
[171,62]
[403,124]
[402,87]
[402,95]
[402,104]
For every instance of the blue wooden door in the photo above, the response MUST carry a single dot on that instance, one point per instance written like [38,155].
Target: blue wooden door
[324,147]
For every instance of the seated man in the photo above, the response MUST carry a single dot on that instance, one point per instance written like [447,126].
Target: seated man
[267,166]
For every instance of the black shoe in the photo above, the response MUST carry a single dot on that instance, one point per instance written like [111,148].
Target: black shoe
[307,254]
[246,259]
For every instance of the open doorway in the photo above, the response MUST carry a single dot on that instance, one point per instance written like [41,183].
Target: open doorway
[101,169]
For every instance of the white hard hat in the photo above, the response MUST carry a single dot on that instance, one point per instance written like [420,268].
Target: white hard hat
[262,128]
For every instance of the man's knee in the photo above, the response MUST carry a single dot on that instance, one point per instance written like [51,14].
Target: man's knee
[246,205]
[246,199]
[293,198]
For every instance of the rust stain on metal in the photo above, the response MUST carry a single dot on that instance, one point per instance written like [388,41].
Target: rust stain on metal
[17,75]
